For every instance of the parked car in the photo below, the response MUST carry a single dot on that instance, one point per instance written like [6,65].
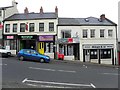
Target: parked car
[4,52]
[30,54]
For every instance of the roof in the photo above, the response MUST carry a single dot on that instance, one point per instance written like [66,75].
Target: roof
[31,16]
[2,8]
[90,21]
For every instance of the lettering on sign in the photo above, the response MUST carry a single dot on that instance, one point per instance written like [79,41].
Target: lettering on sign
[26,37]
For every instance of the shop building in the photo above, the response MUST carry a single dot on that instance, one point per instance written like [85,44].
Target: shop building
[4,13]
[31,30]
[96,39]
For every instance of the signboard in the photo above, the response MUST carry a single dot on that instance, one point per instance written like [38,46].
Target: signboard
[46,38]
[26,37]
[10,37]
[97,46]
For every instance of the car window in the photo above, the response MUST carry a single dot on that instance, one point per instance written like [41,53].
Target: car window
[1,47]
[26,51]
[33,52]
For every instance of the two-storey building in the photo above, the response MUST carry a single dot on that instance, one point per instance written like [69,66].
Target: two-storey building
[31,30]
[5,12]
[88,39]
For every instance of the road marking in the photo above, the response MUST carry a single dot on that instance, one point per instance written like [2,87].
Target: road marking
[2,64]
[52,70]
[32,85]
[42,69]
[59,83]
[111,73]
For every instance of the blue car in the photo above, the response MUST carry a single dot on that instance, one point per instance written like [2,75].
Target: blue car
[30,54]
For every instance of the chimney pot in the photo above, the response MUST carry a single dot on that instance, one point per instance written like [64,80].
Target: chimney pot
[56,10]
[26,10]
[41,10]
[102,17]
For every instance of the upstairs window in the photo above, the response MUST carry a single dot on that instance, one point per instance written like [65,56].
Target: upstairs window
[41,26]
[110,33]
[92,33]
[66,34]
[14,27]
[22,27]
[85,33]
[102,33]
[51,26]
[31,27]
[0,13]
[7,28]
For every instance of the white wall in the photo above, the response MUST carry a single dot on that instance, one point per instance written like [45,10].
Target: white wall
[96,40]
[46,26]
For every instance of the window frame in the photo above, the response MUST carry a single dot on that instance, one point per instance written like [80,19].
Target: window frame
[85,33]
[102,34]
[51,26]
[7,28]
[92,33]
[110,34]
[0,13]
[15,28]
[64,32]
[22,29]
[41,28]
[31,27]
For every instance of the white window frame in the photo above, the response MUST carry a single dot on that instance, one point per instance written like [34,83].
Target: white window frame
[110,33]
[85,33]
[92,33]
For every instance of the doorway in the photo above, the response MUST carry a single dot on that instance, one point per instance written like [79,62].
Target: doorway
[27,44]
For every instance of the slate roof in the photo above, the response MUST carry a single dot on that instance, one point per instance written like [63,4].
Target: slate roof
[84,21]
[31,16]
[2,8]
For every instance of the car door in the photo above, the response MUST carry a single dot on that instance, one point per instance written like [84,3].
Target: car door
[27,54]
[34,55]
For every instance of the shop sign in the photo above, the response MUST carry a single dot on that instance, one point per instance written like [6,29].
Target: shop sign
[62,40]
[26,37]
[104,46]
[10,37]
[46,38]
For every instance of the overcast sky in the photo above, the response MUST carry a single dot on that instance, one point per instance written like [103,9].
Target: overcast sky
[70,8]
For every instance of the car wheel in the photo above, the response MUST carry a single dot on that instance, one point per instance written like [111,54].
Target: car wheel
[21,58]
[42,60]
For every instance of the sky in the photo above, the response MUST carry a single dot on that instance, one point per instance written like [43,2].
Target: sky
[70,8]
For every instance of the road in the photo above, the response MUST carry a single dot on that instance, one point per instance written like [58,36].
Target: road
[56,74]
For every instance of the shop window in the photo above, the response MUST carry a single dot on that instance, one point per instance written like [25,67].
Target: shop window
[66,49]
[41,26]
[31,27]
[92,33]
[11,43]
[105,53]
[85,33]
[110,33]
[22,27]
[102,33]
[48,47]
[93,54]
[7,28]
[51,26]
[14,27]
[66,34]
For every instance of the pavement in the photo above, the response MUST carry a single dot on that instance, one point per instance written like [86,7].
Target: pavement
[85,63]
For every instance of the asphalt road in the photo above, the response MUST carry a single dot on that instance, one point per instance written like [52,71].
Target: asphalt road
[56,74]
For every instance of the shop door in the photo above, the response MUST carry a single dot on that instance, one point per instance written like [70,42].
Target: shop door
[41,47]
[87,55]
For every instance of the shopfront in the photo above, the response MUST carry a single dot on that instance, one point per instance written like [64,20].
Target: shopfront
[27,42]
[98,53]
[10,43]
[70,48]
[45,45]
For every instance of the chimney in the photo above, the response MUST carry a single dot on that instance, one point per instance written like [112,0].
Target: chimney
[26,10]
[102,17]
[41,10]
[56,10]
[14,3]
